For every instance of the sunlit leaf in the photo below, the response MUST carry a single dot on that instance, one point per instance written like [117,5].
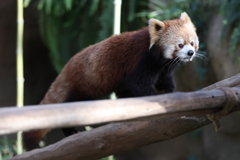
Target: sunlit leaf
[94,7]
[131,14]
[48,6]
[26,3]
[68,4]
[40,4]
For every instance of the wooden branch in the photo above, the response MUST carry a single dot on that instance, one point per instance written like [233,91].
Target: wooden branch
[116,138]
[229,82]
[95,112]
[86,113]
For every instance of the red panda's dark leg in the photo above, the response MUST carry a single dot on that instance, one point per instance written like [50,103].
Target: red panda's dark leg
[123,93]
[141,84]
[140,89]
[166,84]
[71,130]
[132,88]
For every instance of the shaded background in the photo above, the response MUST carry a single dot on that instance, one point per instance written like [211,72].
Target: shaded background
[55,30]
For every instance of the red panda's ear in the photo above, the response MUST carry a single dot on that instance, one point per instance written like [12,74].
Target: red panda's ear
[154,27]
[184,16]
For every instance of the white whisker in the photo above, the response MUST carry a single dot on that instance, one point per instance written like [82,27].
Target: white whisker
[165,65]
[174,62]
[201,56]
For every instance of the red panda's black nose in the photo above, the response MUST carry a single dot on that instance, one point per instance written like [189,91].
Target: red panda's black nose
[190,52]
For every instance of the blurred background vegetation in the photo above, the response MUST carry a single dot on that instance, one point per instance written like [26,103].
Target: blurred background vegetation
[65,32]
[57,29]
[68,26]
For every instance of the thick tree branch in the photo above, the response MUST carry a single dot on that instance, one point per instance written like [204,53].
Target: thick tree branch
[229,82]
[118,137]
[114,138]
[96,112]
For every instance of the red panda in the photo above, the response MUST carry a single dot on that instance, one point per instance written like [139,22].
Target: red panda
[132,64]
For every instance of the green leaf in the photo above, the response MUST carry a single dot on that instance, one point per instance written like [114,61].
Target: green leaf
[131,14]
[26,3]
[83,3]
[40,4]
[159,4]
[48,6]
[68,4]
[94,7]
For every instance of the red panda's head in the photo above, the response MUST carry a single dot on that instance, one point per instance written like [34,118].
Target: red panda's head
[177,37]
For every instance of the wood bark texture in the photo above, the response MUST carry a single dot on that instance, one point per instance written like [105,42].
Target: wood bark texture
[105,111]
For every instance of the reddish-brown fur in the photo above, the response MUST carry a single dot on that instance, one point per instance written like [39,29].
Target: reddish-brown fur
[98,69]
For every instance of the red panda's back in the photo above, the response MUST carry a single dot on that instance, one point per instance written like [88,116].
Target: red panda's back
[99,68]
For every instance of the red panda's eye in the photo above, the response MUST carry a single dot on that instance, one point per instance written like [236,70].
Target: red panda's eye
[180,45]
[192,43]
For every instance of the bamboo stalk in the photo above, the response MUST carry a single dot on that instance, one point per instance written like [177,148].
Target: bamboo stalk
[116,26]
[116,30]
[117,16]
[19,67]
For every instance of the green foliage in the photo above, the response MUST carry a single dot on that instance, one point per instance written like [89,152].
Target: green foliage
[163,11]
[7,148]
[129,21]
[229,9]
[26,3]
[68,26]
[60,25]
[105,20]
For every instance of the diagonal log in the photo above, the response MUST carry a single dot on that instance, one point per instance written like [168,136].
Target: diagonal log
[229,82]
[118,137]
[114,138]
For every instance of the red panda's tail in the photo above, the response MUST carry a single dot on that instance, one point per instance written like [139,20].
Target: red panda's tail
[31,139]
[56,94]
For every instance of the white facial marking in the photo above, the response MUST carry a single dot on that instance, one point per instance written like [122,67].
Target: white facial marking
[180,41]
[183,53]
[191,39]
[191,58]
[168,51]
